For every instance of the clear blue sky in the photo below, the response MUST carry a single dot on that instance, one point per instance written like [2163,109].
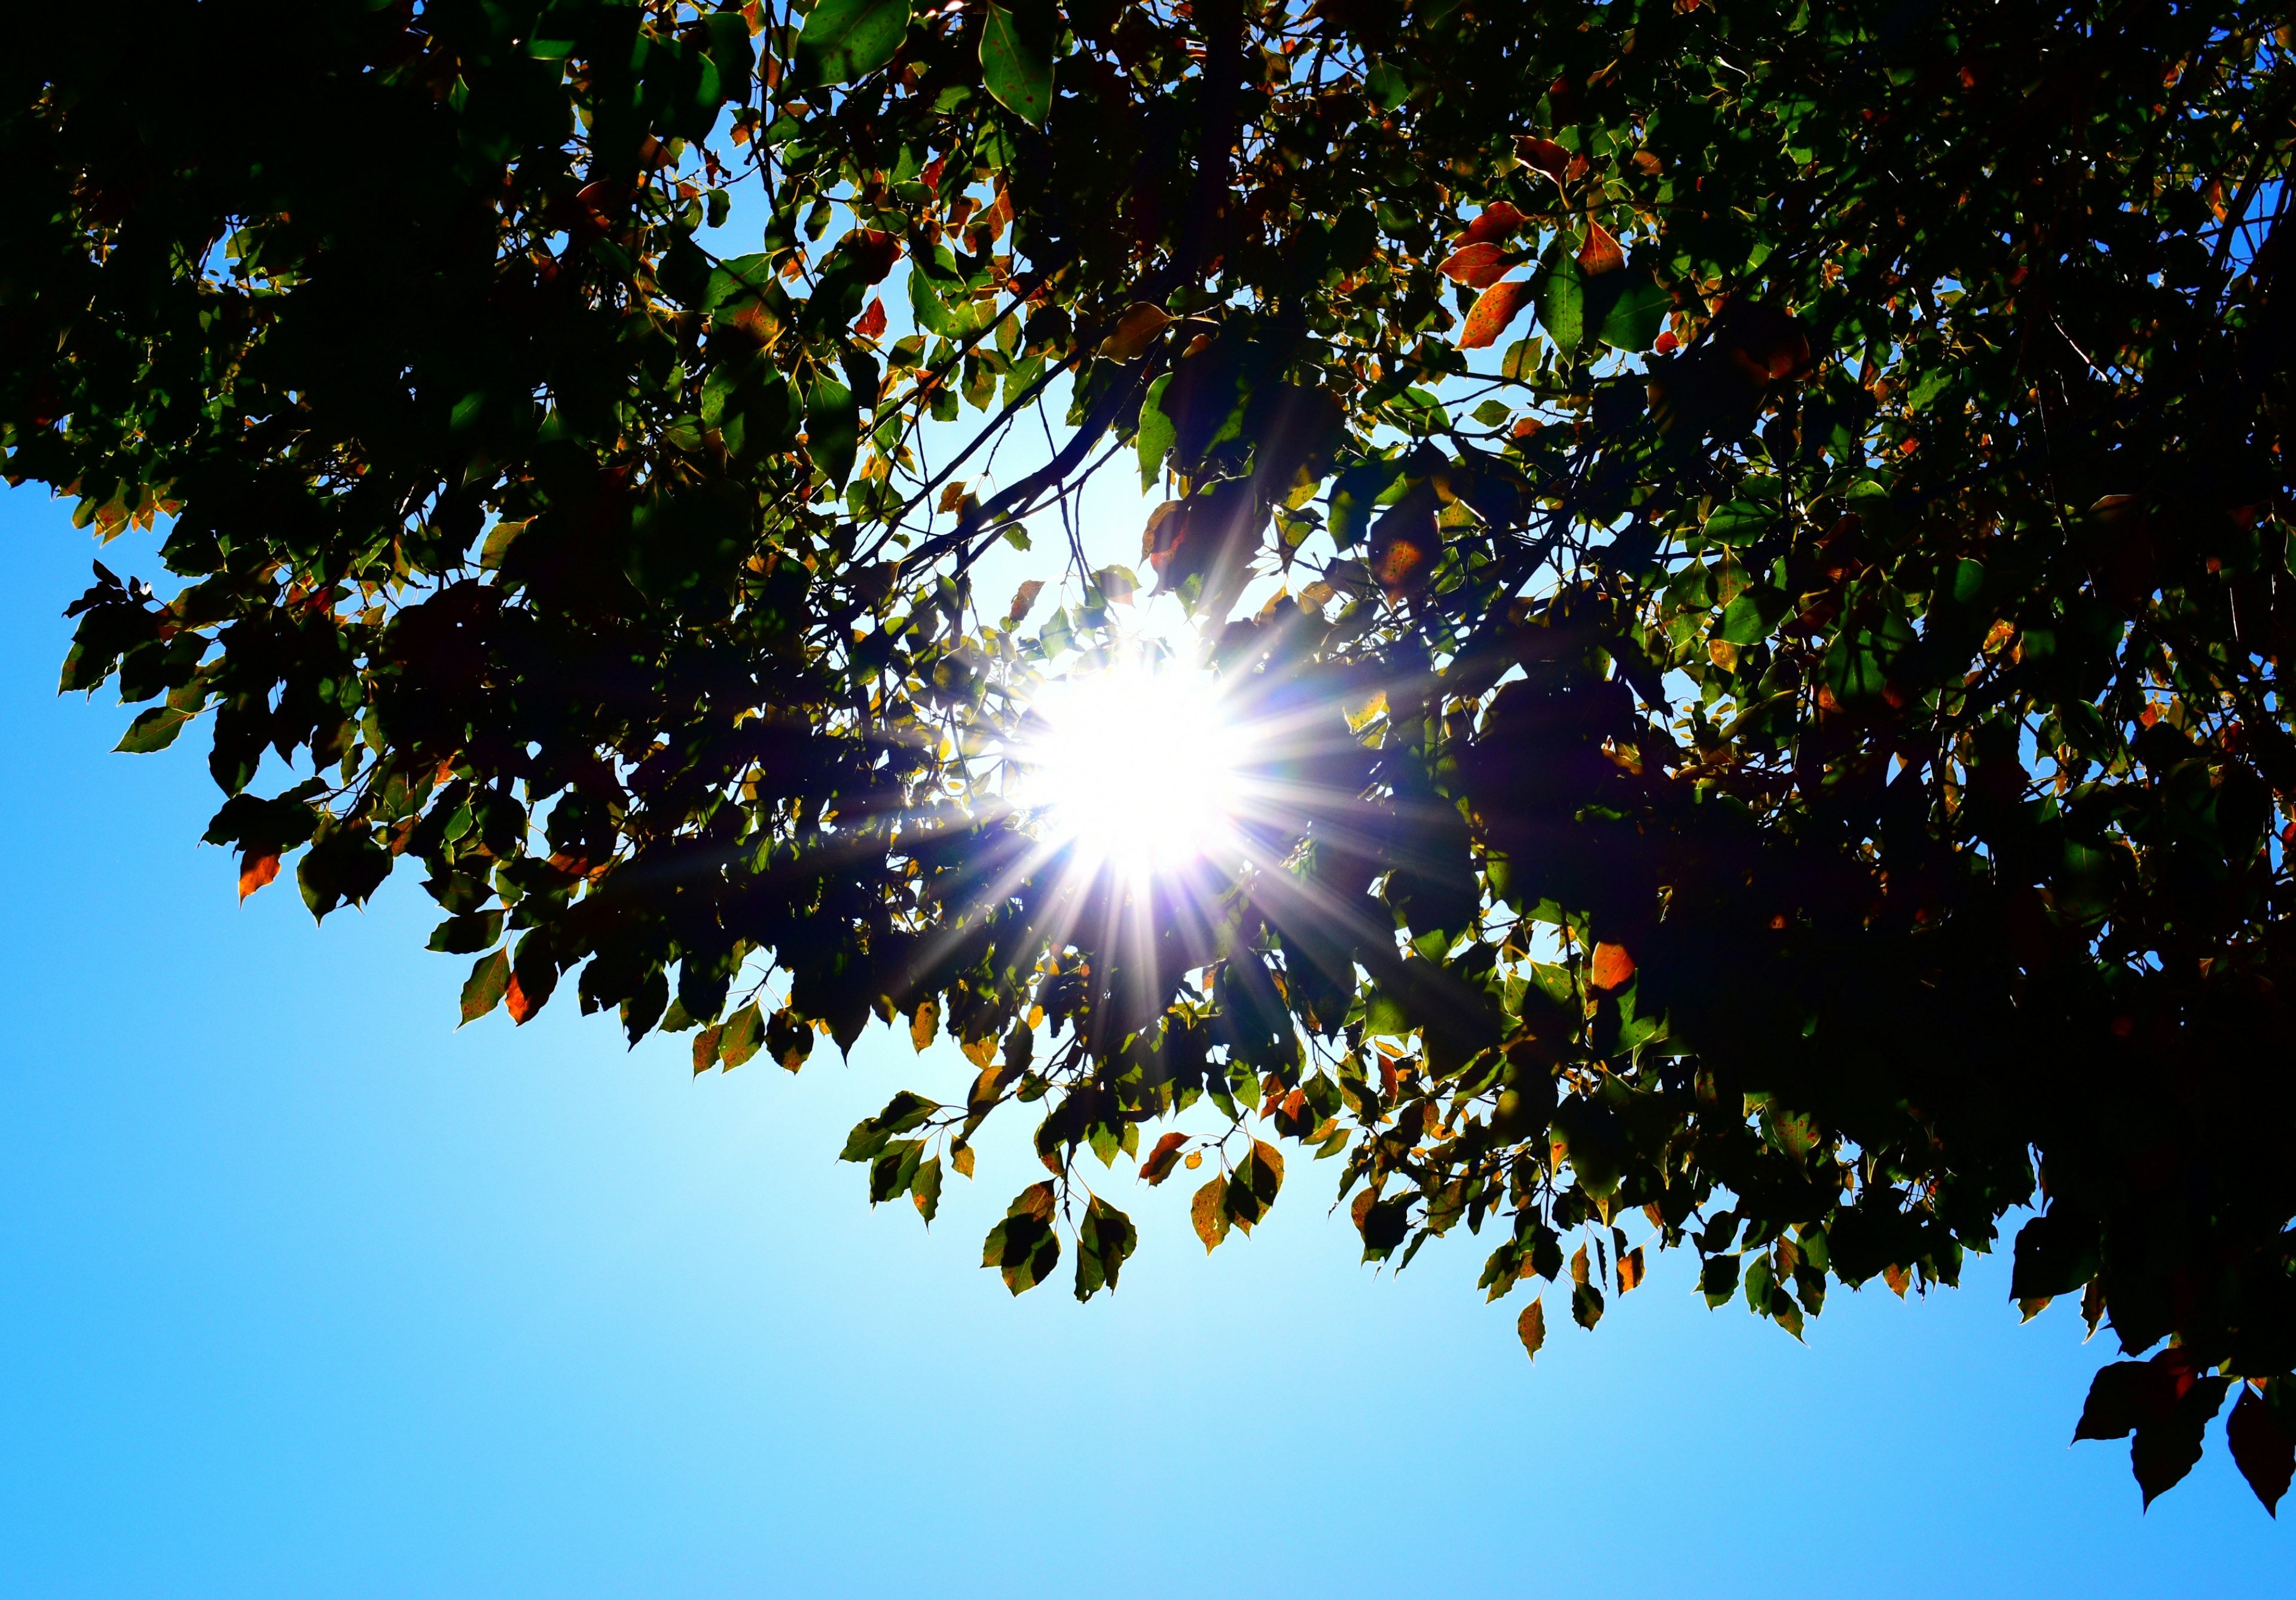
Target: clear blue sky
[304,1292]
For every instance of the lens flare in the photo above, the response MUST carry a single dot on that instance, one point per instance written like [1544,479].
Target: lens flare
[1135,766]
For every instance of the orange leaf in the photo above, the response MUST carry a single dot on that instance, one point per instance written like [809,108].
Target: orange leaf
[952,497]
[1134,329]
[1531,1328]
[1544,154]
[255,870]
[515,997]
[1403,550]
[871,322]
[1600,252]
[1494,309]
[1477,265]
[1023,598]
[1612,967]
[1498,219]
[1158,1167]
[1631,1269]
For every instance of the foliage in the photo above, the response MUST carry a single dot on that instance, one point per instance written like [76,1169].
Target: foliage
[1794,750]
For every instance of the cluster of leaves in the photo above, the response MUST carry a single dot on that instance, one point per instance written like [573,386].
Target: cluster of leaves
[1797,759]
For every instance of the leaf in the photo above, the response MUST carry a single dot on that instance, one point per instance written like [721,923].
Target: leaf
[1016,56]
[1636,317]
[1477,265]
[1630,1270]
[1160,1159]
[1209,1212]
[1105,1241]
[1562,292]
[1023,1247]
[1740,522]
[924,1023]
[1600,253]
[1134,332]
[257,867]
[744,1032]
[155,729]
[1252,1188]
[1749,618]
[489,981]
[871,322]
[846,39]
[1498,220]
[1611,966]
[467,934]
[832,428]
[1492,311]
[1586,1305]
[924,1189]
[1531,1328]
[1543,155]
[1157,433]
[2260,1448]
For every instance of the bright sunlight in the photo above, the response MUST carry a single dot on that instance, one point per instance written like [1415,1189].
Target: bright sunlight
[1136,766]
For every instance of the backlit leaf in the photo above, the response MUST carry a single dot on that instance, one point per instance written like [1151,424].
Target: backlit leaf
[846,39]
[1016,56]
[1493,310]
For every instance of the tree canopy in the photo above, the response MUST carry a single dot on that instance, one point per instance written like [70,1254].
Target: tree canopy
[1782,515]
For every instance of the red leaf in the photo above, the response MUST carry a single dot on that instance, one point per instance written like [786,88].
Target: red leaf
[1544,154]
[255,870]
[1498,219]
[1477,265]
[871,322]
[2266,1455]
[1494,309]
[872,251]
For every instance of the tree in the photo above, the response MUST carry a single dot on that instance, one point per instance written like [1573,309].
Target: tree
[1788,507]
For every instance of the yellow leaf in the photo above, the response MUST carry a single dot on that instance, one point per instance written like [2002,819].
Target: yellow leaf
[1531,1328]
[1210,1214]
[961,1158]
[924,1023]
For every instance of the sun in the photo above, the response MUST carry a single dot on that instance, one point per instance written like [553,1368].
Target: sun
[1135,766]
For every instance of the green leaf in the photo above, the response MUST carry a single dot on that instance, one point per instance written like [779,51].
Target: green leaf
[469,933]
[1023,1247]
[846,39]
[1016,56]
[155,729]
[744,1032]
[1740,522]
[1637,314]
[484,989]
[1560,293]
[1105,1241]
[1157,434]
[832,426]
[1749,618]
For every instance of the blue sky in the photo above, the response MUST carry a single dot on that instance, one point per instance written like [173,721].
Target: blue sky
[303,1292]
